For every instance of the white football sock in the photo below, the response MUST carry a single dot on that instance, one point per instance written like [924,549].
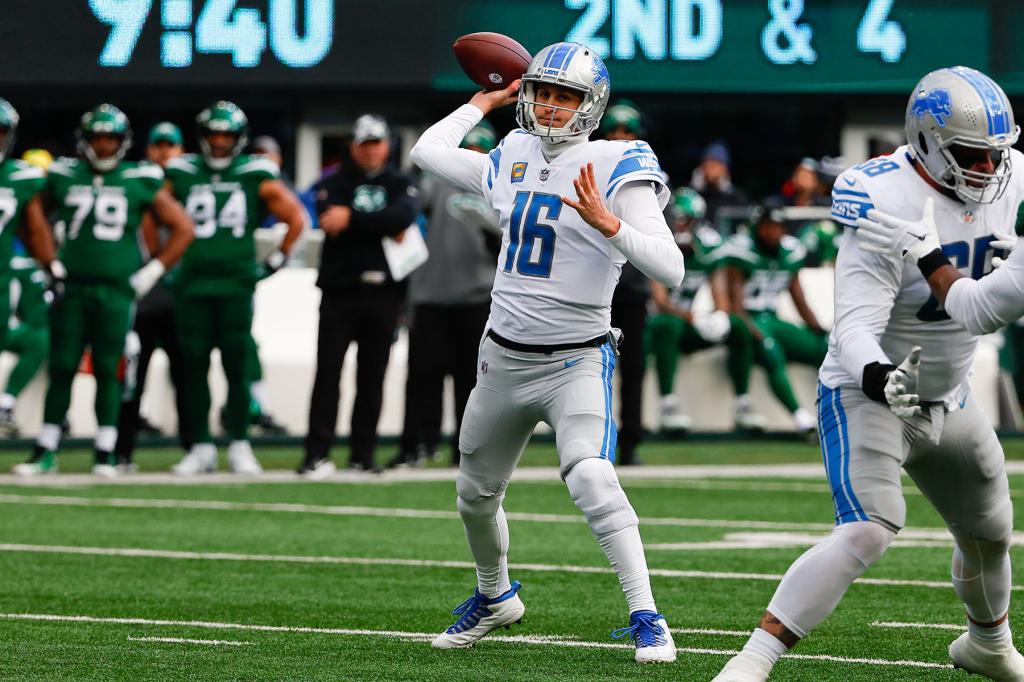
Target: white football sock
[814,584]
[487,533]
[981,578]
[49,437]
[625,552]
[744,403]
[7,401]
[106,438]
[258,391]
[763,643]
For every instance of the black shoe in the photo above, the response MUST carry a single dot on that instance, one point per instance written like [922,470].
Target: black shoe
[402,459]
[147,428]
[316,469]
[268,426]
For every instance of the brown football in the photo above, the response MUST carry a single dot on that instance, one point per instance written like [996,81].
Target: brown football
[491,60]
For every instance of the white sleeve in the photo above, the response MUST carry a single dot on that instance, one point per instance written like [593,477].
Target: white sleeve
[992,302]
[438,150]
[643,237]
[866,286]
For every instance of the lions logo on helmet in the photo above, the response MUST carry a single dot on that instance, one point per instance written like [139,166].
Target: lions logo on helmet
[568,65]
[222,117]
[106,119]
[8,126]
[961,107]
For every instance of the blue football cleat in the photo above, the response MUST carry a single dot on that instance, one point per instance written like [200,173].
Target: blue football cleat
[650,634]
[479,615]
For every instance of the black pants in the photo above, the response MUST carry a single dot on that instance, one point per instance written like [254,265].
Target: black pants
[630,317]
[443,340]
[156,328]
[367,315]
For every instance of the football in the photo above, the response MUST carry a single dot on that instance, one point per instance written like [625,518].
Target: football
[491,60]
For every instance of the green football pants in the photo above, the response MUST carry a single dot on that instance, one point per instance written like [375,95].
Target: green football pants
[98,317]
[31,343]
[785,342]
[668,335]
[205,323]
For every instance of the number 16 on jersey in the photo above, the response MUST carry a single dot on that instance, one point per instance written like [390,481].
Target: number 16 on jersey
[531,243]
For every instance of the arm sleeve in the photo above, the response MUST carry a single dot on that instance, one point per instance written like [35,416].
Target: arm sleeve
[866,286]
[438,152]
[994,301]
[643,237]
[390,220]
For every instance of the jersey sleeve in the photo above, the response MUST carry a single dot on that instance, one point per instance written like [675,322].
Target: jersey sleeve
[796,253]
[258,169]
[150,178]
[31,179]
[850,199]
[736,252]
[637,162]
[992,302]
[438,151]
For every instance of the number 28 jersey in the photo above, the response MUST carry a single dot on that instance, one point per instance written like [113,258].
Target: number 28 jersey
[889,299]
[226,208]
[101,213]
[556,274]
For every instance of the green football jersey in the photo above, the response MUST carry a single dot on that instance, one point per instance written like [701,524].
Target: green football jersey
[101,213]
[28,292]
[19,183]
[700,261]
[227,210]
[767,275]
[821,239]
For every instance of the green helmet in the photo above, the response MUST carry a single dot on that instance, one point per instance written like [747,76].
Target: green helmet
[8,123]
[623,115]
[106,119]
[222,117]
[482,136]
[687,204]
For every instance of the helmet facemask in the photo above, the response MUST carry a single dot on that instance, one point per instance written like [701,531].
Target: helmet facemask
[968,185]
[8,142]
[580,123]
[220,162]
[565,65]
[107,163]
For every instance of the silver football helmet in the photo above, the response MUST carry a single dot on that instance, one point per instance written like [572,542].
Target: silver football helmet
[962,107]
[569,65]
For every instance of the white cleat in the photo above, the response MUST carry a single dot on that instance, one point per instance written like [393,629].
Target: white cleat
[29,469]
[748,420]
[676,422]
[804,421]
[745,667]
[650,634]
[480,615]
[241,459]
[998,661]
[105,471]
[201,459]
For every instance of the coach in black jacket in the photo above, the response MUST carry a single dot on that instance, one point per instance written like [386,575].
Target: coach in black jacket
[358,206]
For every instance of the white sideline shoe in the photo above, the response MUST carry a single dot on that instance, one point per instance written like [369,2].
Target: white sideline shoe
[480,615]
[998,661]
[651,636]
[745,667]
[241,459]
[804,421]
[748,420]
[105,471]
[201,459]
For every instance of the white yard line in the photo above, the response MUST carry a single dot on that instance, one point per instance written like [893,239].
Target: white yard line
[541,640]
[908,538]
[707,631]
[960,627]
[330,510]
[180,640]
[427,563]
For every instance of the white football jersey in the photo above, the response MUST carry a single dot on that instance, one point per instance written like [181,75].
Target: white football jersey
[556,274]
[889,299]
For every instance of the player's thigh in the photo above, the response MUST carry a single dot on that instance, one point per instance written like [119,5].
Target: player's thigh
[233,325]
[690,341]
[579,408]
[863,445]
[964,476]
[799,344]
[68,322]
[194,319]
[110,320]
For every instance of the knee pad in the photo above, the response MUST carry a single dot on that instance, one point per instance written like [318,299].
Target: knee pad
[866,541]
[596,491]
[472,488]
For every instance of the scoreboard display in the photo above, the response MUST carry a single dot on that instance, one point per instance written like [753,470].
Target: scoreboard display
[649,45]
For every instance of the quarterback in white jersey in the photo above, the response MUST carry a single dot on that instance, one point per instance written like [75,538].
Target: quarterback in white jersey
[876,418]
[571,212]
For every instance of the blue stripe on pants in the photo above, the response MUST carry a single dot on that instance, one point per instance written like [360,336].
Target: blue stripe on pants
[835,450]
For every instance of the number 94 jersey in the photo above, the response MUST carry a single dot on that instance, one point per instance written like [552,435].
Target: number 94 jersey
[889,298]
[556,274]
[101,213]
[226,208]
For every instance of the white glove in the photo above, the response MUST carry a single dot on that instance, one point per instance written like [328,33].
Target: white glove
[891,236]
[901,386]
[713,327]
[146,277]
[1004,241]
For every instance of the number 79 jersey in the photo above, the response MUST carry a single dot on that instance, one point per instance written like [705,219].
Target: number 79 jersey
[101,213]
[226,208]
[556,274]
[889,298]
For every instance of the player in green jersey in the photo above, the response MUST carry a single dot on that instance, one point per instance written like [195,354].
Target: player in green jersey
[100,199]
[227,194]
[28,338]
[758,269]
[676,329]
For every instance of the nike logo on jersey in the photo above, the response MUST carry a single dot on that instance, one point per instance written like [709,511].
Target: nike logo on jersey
[850,181]
[573,362]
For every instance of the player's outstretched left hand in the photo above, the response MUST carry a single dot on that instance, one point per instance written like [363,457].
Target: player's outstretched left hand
[910,240]
[590,205]
[901,386]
